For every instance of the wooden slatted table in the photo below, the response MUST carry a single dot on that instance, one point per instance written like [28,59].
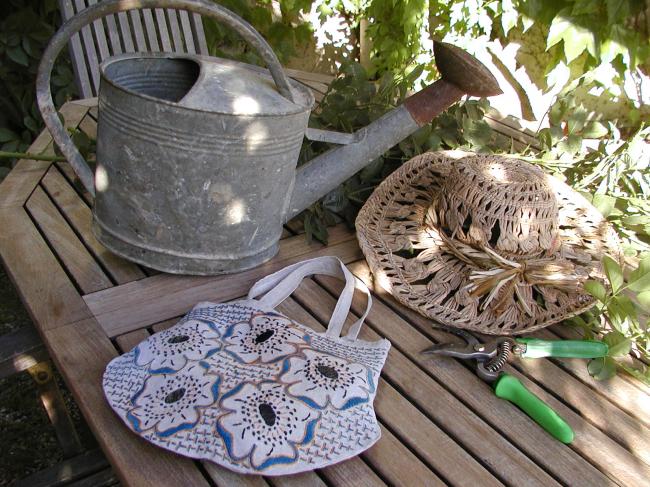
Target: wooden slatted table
[440,423]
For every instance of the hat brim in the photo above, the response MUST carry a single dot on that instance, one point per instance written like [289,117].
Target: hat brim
[409,259]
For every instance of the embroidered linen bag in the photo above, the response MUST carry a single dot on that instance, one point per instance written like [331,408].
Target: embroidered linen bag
[244,386]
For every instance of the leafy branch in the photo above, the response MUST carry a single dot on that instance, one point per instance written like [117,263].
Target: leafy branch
[620,318]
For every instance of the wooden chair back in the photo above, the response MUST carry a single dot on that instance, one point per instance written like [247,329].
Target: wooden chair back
[147,30]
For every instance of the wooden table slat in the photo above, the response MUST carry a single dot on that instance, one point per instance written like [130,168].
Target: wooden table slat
[431,443]
[623,384]
[88,275]
[396,464]
[633,434]
[306,479]
[625,430]
[45,289]
[20,182]
[79,215]
[163,296]
[556,458]
[225,478]
[626,466]
[85,343]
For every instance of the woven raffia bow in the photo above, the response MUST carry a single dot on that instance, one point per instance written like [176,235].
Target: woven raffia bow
[491,272]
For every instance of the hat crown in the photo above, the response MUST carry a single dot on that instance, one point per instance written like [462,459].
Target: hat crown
[504,204]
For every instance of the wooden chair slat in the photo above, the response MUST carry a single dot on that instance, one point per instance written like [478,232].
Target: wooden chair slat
[100,36]
[188,35]
[150,28]
[125,32]
[162,30]
[175,30]
[76,53]
[113,35]
[92,61]
[199,34]
[137,30]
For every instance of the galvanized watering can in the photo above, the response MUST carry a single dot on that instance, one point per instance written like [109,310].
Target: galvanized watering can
[196,156]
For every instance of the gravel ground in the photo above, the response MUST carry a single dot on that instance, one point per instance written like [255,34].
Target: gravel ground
[27,439]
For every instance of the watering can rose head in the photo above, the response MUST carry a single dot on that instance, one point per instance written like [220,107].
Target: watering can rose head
[197,155]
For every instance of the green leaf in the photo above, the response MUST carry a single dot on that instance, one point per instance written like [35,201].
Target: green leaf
[604,203]
[617,10]
[596,289]
[618,343]
[415,74]
[582,7]
[31,124]
[602,368]
[644,300]
[6,135]
[633,220]
[613,272]
[576,37]
[571,145]
[559,26]
[594,130]
[639,280]
[576,40]
[18,55]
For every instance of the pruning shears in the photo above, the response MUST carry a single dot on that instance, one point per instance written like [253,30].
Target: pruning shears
[492,356]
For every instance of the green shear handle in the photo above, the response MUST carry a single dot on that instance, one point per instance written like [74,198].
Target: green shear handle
[537,348]
[510,388]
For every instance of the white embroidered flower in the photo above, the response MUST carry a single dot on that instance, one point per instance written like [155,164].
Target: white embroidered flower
[267,337]
[172,402]
[265,424]
[319,378]
[169,350]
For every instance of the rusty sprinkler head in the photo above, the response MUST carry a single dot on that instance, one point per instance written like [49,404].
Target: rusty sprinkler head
[464,71]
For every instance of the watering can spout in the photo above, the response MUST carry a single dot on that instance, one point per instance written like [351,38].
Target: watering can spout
[461,74]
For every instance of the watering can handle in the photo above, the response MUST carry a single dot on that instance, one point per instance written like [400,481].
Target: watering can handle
[107,7]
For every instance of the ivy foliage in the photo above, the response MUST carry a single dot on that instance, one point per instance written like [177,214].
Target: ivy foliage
[25,29]
[284,32]
[620,318]
[354,101]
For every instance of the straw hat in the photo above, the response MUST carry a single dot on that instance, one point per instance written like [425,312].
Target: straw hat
[484,242]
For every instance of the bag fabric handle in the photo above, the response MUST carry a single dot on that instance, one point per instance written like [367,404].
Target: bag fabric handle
[276,287]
